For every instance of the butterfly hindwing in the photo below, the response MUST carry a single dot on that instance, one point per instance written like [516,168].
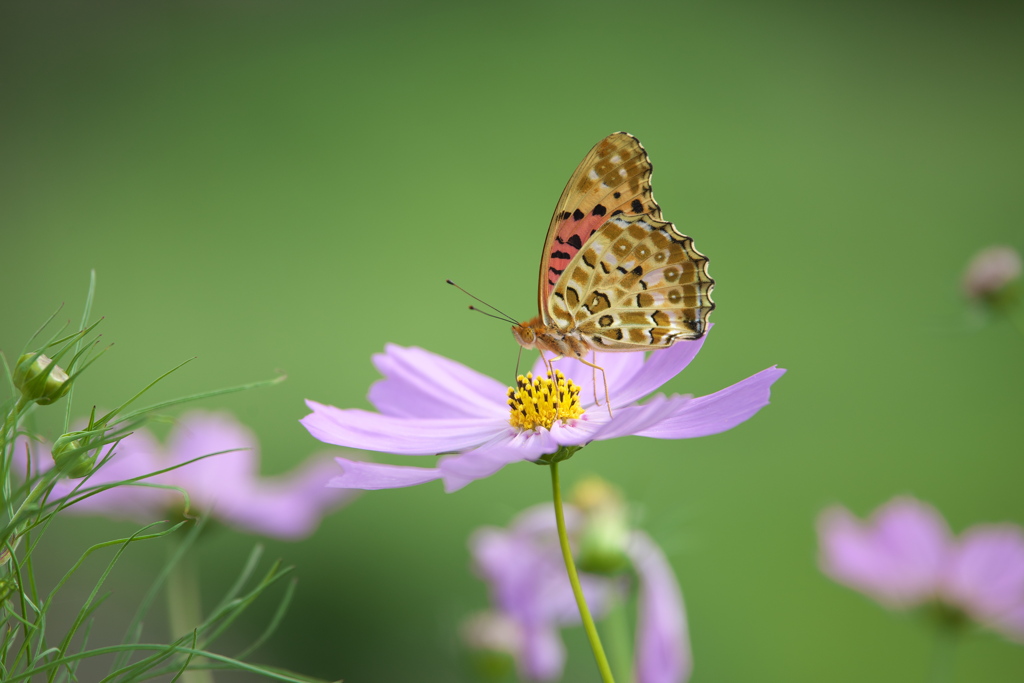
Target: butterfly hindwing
[636,283]
[614,179]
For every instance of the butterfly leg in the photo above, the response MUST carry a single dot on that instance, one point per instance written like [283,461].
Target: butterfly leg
[550,367]
[604,378]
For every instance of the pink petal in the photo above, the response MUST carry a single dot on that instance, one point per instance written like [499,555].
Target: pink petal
[371,476]
[288,507]
[543,654]
[985,576]
[207,481]
[717,412]
[660,367]
[577,432]
[408,436]
[637,419]
[662,637]
[418,383]
[480,463]
[897,557]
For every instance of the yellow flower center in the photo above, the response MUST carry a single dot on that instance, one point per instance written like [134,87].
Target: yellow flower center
[539,401]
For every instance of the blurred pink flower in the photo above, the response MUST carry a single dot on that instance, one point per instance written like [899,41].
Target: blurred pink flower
[524,569]
[990,271]
[905,556]
[226,486]
[428,405]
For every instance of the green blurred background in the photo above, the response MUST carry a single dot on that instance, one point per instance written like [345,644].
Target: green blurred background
[284,187]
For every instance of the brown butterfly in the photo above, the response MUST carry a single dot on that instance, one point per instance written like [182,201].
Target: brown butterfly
[614,276]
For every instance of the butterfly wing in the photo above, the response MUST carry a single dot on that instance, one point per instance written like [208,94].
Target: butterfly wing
[613,179]
[636,284]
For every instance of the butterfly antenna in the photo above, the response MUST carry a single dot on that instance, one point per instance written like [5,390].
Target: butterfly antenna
[491,315]
[505,317]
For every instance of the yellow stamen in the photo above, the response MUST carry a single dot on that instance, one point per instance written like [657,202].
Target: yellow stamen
[539,401]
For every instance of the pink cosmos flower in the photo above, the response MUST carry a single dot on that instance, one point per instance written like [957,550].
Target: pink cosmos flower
[905,556]
[523,567]
[226,486]
[428,404]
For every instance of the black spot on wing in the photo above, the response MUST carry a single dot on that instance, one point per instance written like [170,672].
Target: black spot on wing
[575,242]
[638,206]
[637,271]
[561,254]
[556,271]
[617,195]
[616,212]
[599,210]
[565,215]
[577,215]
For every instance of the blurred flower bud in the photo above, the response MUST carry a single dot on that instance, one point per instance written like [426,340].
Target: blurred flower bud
[71,455]
[605,534]
[992,274]
[494,639]
[40,379]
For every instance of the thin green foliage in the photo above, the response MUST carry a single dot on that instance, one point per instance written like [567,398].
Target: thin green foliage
[30,504]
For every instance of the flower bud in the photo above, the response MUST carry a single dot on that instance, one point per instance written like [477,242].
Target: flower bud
[40,379]
[605,534]
[71,456]
[991,276]
[494,640]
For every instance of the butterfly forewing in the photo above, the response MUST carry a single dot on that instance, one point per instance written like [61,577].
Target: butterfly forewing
[636,283]
[613,179]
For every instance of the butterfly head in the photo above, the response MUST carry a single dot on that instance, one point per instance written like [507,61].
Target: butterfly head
[525,334]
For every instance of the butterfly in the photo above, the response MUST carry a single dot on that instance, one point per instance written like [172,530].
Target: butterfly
[614,276]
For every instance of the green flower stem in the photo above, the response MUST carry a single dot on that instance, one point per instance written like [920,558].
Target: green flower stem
[11,421]
[574,579]
[943,651]
[184,610]
[7,446]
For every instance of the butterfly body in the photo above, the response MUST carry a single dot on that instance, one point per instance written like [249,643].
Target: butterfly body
[536,334]
[614,276]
